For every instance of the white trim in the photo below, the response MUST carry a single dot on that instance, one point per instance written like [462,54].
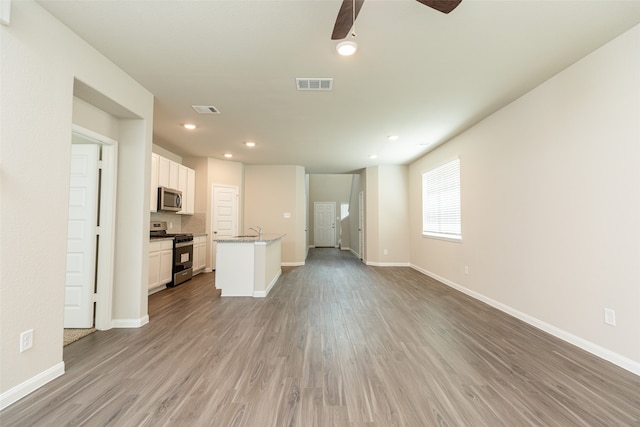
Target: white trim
[601,352]
[387,264]
[292,264]
[447,237]
[29,386]
[355,254]
[92,135]
[345,248]
[106,249]
[130,323]
[263,294]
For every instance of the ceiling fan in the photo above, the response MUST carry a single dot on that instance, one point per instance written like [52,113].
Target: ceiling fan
[347,14]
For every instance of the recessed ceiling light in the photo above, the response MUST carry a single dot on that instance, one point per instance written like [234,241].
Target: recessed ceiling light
[347,48]
[228,155]
[373,156]
[393,137]
[189,126]
[250,144]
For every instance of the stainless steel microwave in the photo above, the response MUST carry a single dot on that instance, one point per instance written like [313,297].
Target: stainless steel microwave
[169,199]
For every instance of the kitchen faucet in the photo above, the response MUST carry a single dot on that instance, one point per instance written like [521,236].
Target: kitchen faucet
[259,231]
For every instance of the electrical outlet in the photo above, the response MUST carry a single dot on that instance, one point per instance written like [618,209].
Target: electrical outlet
[466,270]
[386,252]
[609,317]
[26,340]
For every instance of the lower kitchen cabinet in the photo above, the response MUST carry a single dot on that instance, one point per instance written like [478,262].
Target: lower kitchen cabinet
[199,253]
[160,264]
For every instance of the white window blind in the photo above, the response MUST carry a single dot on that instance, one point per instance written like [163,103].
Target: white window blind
[441,215]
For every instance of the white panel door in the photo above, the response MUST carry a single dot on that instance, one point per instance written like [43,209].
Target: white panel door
[224,220]
[81,239]
[324,231]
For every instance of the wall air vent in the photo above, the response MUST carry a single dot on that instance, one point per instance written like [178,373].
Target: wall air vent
[314,84]
[206,109]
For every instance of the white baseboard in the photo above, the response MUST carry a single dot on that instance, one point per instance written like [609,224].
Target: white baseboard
[32,384]
[130,323]
[292,264]
[263,294]
[345,248]
[603,353]
[388,264]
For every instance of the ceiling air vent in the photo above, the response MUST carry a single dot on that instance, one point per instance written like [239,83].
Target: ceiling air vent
[314,84]
[206,109]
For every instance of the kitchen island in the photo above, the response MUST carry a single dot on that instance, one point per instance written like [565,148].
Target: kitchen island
[248,265]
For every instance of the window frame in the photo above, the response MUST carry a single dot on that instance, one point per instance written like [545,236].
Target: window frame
[440,171]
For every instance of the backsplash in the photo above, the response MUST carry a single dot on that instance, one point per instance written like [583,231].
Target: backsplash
[195,224]
[174,221]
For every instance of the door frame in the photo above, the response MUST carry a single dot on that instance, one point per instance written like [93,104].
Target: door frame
[333,220]
[212,255]
[106,241]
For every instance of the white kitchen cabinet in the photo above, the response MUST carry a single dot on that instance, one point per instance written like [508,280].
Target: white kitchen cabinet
[153,192]
[154,268]
[186,184]
[163,171]
[199,253]
[160,263]
[173,175]
[191,191]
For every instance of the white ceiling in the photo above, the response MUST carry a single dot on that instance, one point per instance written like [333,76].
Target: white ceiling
[418,73]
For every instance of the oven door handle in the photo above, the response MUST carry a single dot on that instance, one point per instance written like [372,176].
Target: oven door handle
[183,244]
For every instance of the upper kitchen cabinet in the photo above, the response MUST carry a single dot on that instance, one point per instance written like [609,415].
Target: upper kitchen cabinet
[153,193]
[163,172]
[167,173]
[187,184]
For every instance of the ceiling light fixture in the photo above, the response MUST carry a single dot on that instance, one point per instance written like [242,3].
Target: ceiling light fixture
[250,144]
[347,48]
[393,137]
[228,155]
[373,156]
[189,126]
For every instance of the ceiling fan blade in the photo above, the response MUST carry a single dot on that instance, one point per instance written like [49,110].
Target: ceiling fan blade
[345,18]
[444,6]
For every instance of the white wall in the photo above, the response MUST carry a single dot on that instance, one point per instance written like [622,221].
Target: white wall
[354,215]
[551,205]
[40,60]
[387,214]
[270,192]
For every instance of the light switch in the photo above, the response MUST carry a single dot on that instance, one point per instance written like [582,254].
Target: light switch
[286,215]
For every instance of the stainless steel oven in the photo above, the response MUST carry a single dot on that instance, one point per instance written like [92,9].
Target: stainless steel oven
[182,252]
[182,258]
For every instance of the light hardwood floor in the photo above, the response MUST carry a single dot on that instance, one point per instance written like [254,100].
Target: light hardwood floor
[336,343]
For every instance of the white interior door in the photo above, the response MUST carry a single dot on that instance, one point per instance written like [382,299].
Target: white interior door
[82,235]
[224,215]
[324,220]
[361,225]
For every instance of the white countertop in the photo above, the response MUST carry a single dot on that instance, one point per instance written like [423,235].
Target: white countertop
[266,238]
[159,239]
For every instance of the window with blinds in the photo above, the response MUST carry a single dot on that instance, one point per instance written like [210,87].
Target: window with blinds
[441,215]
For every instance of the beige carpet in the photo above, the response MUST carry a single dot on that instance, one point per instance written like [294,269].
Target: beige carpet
[71,335]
